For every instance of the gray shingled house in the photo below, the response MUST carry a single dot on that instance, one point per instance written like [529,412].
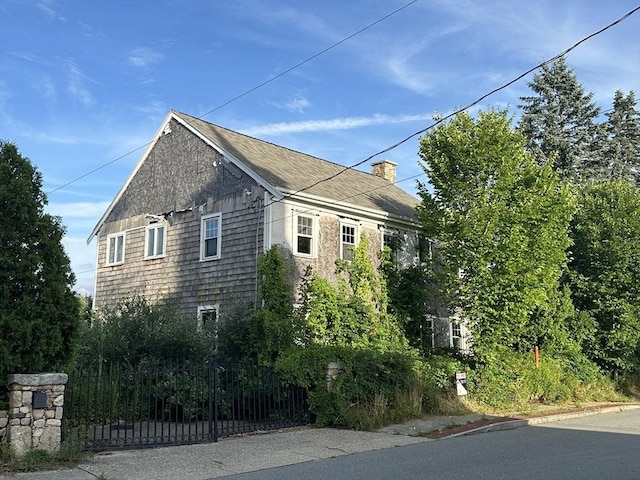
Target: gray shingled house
[204,202]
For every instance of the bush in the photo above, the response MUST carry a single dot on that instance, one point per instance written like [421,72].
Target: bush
[512,381]
[438,377]
[137,333]
[372,388]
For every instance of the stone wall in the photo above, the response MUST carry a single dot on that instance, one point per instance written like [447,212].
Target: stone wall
[4,421]
[35,411]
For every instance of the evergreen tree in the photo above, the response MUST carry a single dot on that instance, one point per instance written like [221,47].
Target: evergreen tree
[39,313]
[622,151]
[559,122]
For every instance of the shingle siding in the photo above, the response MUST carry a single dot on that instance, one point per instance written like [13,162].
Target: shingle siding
[194,168]
[178,175]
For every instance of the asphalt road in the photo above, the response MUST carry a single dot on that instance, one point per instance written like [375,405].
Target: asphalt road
[599,447]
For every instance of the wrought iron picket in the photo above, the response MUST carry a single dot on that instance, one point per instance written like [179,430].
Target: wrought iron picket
[177,404]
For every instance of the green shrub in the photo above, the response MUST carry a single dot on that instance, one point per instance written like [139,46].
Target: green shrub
[512,381]
[372,388]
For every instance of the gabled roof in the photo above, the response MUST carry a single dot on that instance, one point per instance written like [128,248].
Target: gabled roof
[283,172]
[290,171]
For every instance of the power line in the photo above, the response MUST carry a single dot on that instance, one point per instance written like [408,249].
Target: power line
[309,210]
[251,90]
[456,112]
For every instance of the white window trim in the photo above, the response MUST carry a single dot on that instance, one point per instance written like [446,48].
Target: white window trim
[430,324]
[155,226]
[461,343]
[124,243]
[356,235]
[204,309]
[314,236]
[202,238]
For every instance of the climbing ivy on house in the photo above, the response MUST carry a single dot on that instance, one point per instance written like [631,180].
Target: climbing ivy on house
[353,313]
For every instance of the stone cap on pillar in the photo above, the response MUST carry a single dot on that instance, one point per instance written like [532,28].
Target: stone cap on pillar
[37,379]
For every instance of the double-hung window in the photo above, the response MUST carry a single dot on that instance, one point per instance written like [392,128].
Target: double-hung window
[304,235]
[155,241]
[210,236]
[390,240]
[115,249]
[348,235]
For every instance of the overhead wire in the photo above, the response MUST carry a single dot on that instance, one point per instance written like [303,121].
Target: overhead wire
[404,140]
[460,110]
[247,92]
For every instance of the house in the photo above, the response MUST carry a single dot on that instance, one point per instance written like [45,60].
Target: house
[204,202]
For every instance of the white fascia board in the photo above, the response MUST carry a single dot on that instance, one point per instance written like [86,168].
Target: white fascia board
[313,201]
[231,158]
[144,156]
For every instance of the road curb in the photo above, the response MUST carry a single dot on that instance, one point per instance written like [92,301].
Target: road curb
[537,420]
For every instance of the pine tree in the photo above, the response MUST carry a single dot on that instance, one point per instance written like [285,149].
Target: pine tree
[559,122]
[39,313]
[622,150]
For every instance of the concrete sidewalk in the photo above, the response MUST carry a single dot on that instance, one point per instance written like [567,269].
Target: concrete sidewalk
[274,449]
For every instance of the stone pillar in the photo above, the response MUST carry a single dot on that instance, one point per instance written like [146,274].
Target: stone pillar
[332,372]
[35,411]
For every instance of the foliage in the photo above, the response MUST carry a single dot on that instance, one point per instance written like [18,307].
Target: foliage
[235,333]
[351,314]
[136,333]
[371,388]
[38,310]
[38,459]
[511,381]
[413,293]
[621,158]
[604,272]
[273,328]
[502,220]
[559,122]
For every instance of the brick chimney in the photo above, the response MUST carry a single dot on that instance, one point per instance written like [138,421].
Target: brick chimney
[385,169]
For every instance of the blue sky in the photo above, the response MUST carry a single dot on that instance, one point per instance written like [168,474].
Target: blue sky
[83,83]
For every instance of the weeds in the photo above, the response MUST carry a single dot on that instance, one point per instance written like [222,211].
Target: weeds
[38,459]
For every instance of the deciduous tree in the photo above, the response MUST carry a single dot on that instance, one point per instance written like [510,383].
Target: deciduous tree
[502,219]
[604,271]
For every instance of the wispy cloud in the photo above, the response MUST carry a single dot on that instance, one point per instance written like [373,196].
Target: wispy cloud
[77,85]
[296,104]
[78,209]
[143,57]
[333,124]
[46,7]
[48,89]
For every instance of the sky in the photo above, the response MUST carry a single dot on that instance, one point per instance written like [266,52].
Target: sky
[85,84]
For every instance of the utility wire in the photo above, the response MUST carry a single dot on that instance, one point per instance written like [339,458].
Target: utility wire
[460,110]
[251,90]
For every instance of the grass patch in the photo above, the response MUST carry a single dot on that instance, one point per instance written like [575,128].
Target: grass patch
[36,460]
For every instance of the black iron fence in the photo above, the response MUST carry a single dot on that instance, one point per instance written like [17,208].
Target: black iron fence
[178,404]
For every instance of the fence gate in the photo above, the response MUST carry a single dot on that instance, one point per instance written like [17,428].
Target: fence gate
[180,404]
